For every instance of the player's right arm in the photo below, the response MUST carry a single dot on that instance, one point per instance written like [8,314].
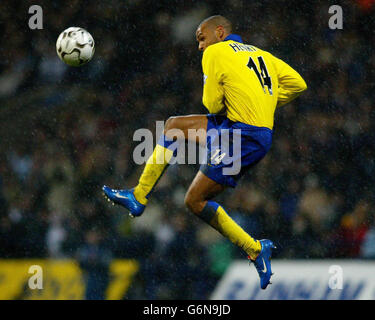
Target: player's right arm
[291,84]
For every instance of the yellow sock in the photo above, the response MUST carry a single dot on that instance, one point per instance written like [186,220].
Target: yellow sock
[215,215]
[154,169]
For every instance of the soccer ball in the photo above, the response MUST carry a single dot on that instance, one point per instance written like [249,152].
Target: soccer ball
[75,46]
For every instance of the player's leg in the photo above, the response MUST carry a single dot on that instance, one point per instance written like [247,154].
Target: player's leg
[198,200]
[176,130]
[194,122]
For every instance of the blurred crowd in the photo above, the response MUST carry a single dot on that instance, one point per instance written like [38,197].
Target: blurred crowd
[67,131]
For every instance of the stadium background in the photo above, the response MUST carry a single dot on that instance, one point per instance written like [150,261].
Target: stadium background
[67,131]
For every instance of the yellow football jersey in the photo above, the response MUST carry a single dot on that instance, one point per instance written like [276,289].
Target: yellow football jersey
[247,82]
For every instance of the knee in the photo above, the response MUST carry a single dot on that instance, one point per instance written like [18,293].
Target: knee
[194,203]
[171,123]
[173,128]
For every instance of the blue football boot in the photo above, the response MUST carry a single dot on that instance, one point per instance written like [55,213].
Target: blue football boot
[263,262]
[126,199]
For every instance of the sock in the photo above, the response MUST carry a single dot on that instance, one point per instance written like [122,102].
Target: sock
[215,215]
[156,165]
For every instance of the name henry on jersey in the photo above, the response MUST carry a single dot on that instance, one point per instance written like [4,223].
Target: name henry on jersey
[242,47]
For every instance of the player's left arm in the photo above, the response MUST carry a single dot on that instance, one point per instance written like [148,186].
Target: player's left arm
[213,90]
[291,84]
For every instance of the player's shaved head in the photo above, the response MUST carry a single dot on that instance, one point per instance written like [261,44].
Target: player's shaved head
[212,30]
[216,21]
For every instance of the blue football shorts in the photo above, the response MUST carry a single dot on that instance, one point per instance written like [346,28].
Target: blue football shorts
[232,148]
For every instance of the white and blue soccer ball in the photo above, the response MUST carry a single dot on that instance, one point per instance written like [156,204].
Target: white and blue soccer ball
[75,46]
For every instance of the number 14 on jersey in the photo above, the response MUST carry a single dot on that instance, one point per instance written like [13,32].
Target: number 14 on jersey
[263,76]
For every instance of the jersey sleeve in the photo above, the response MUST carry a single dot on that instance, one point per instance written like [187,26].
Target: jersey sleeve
[291,84]
[213,91]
